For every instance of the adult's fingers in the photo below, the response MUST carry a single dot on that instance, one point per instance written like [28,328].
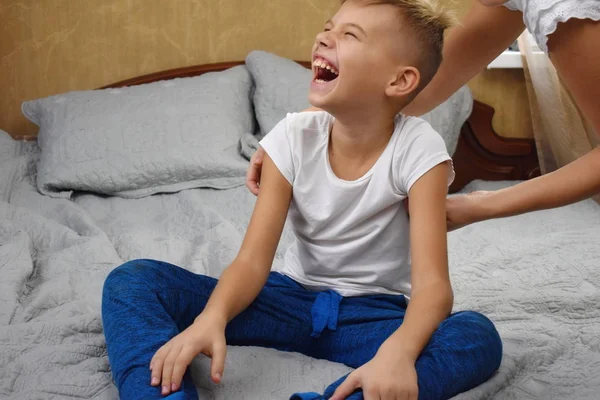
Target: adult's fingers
[254,170]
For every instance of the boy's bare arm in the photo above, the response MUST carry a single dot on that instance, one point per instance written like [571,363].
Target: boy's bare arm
[237,288]
[392,372]
[431,294]
[241,282]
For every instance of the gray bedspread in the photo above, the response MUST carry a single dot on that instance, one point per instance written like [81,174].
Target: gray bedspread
[536,276]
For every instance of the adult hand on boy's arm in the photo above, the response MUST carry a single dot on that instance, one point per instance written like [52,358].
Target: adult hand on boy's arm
[254,170]
[256,162]
[431,296]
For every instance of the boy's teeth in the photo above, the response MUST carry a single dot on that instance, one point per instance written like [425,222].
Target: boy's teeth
[325,65]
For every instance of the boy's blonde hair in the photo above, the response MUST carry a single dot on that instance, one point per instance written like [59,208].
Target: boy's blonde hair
[428,20]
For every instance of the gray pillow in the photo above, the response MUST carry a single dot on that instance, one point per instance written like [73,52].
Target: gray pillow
[449,117]
[282,86]
[136,141]
[10,150]
[9,147]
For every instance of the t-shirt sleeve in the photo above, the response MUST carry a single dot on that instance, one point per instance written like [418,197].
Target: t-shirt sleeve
[421,149]
[277,144]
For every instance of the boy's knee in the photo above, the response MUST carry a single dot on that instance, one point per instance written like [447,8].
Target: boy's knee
[124,277]
[480,328]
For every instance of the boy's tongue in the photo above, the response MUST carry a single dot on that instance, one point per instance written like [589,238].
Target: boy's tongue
[325,74]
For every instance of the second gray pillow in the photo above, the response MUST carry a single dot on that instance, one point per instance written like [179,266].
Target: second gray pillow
[282,85]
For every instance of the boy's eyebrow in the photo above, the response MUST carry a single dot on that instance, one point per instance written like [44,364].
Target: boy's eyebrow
[352,24]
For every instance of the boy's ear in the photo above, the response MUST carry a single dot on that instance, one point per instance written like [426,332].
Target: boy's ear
[405,82]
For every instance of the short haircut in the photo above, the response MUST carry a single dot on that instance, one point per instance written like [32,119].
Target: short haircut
[428,20]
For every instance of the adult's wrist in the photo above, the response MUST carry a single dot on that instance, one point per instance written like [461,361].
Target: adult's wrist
[485,205]
[491,205]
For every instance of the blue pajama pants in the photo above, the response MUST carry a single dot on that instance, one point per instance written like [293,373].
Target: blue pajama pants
[145,303]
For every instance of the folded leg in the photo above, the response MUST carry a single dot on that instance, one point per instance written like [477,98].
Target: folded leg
[145,303]
[463,353]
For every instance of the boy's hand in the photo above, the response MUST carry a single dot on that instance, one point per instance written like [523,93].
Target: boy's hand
[207,336]
[385,377]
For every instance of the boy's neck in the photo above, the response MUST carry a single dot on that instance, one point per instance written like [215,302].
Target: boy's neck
[358,136]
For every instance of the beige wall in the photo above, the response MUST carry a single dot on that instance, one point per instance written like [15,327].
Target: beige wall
[53,46]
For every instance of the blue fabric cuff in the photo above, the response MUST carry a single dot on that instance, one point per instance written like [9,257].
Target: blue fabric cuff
[307,396]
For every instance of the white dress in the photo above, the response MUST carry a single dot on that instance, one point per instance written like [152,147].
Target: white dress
[541,17]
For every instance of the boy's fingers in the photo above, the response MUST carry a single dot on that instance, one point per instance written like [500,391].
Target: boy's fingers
[371,394]
[217,366]
[351,383]
[168,370]
[181,363]
[157,367]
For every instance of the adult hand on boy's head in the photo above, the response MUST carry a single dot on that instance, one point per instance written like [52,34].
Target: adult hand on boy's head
[254,170]
[205,336]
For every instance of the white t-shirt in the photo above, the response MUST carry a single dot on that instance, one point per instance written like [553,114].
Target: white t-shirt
[542,17]
[351,236]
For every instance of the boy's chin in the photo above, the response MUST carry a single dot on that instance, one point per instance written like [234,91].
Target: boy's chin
[328,104]
[320,101]
[316,101]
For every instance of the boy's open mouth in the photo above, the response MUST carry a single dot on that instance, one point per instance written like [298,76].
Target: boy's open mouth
[324,71]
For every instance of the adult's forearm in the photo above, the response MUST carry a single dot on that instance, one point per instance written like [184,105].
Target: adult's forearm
[574,182]
[483,34]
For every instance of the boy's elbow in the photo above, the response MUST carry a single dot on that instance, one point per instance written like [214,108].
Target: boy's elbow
[445,296]
[254,266]
[439,295]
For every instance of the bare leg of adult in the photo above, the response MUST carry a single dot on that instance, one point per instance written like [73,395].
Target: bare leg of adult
[574,49]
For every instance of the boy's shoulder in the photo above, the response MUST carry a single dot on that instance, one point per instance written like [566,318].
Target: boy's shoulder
[415,130]
[309,120]
[414,125]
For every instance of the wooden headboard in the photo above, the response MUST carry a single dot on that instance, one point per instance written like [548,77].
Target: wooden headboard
[481,153]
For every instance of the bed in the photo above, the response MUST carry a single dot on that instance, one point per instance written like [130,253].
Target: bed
[536,276]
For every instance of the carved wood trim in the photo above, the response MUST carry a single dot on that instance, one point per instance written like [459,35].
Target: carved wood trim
[483,154]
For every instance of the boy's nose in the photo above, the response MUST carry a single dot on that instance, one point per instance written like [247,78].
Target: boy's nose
[324,39]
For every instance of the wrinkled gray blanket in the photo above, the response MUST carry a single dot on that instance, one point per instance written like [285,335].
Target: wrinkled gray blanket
[536,276]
